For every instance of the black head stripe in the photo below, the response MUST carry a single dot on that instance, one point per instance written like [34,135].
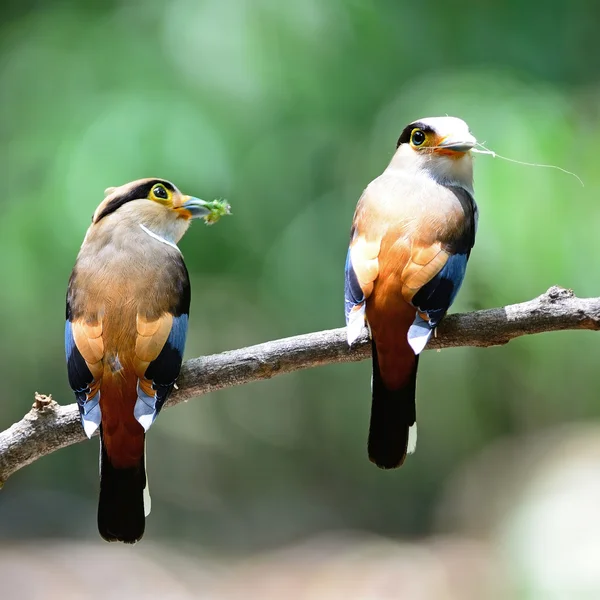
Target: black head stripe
[136,193]
[405,135]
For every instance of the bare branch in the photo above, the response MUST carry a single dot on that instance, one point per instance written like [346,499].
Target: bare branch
[49,426]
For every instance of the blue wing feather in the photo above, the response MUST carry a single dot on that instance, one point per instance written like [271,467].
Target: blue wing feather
[164,369]
[436,296]
[80,376]
[353,294]
[80,380]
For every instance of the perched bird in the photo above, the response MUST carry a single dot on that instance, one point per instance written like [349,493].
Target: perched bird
[127,315]
[411,238]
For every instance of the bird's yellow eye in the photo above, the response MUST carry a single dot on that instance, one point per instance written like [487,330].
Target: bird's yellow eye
[417,137]
[159,192]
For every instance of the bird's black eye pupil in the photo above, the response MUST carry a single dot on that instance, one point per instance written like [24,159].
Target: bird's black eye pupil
[160,192]
[418,137]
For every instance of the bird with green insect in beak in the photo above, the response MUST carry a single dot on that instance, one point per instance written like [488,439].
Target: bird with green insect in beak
[127,316]
[411,238]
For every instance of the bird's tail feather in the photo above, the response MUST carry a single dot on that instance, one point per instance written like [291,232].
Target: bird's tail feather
[121,515]
[392,432]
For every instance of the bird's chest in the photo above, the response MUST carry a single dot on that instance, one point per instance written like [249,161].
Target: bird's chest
[116,281]
[427,213]
[411,226]
[118,278]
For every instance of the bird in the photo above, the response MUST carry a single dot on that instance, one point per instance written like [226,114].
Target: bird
[127,308]
[411,237]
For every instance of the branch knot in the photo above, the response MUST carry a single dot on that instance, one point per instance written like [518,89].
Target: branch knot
[556,293]
[44,403]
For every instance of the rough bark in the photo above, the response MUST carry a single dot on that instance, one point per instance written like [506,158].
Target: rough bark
[49,426]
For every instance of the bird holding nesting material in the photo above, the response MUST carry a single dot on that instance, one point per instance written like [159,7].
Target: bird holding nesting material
[411,238]
[127,316]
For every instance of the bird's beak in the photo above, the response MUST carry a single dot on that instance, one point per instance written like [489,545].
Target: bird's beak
[195,207]
[451,144]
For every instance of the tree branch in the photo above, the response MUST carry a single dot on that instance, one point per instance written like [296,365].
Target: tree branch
[49,426]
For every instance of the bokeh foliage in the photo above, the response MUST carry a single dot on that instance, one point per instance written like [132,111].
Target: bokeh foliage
[288,109]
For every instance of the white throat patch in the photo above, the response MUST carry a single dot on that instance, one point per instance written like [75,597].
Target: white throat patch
[159,238]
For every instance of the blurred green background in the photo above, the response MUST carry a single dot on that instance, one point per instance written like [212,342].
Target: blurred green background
[288,109]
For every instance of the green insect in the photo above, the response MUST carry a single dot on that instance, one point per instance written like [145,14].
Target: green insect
[218,208]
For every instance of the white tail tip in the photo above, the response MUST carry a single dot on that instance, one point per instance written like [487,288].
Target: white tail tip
[412,439]
[147,500]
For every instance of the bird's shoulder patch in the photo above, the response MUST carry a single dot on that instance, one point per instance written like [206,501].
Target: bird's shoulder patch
[364,259]
[152,335]
[88,339]
[424,264]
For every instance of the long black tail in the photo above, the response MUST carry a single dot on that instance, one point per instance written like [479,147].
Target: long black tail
[121,515]
[392,414]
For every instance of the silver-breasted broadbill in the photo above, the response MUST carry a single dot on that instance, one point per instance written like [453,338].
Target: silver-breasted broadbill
[411,238]
[127,316]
